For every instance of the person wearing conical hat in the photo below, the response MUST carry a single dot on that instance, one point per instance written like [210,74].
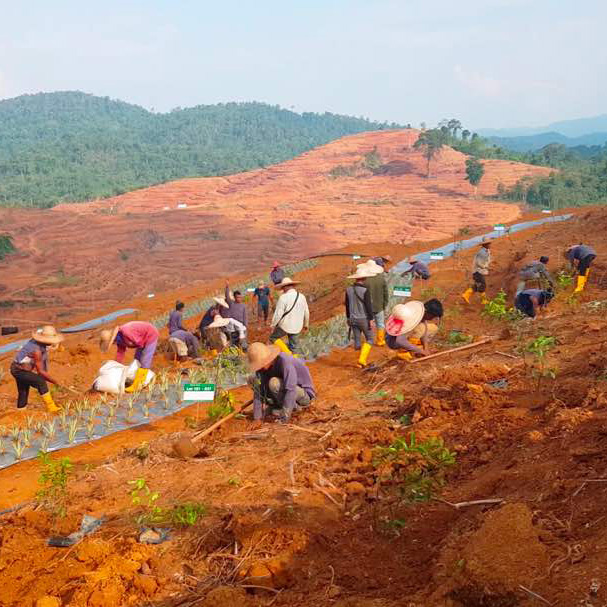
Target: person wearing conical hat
[380,297]
[279,380]
[480,269]
[584,255]
[410,327]
[417,269]
[234,330]
[220,305]
[142,336]
[359,313]
[30,367]
[291,316]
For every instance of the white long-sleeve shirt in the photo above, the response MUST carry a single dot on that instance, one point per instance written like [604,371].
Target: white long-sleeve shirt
[297,318]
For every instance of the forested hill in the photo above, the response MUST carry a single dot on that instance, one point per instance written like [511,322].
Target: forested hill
[70,146]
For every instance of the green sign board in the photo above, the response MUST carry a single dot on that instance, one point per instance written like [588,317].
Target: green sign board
[199,392]
[437,255]
[402,291]
[499,227]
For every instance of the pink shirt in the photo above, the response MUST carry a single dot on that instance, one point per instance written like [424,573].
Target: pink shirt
[135,334]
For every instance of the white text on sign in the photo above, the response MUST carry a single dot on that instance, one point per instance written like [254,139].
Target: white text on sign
[204,393]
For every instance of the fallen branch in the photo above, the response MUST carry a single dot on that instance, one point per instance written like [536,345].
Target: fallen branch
[306,430]
[506,354]
[459,505]
[534,595]
[327,495]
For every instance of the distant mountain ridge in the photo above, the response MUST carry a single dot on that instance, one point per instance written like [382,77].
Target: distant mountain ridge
[71,146]
[531,143]
[569,128]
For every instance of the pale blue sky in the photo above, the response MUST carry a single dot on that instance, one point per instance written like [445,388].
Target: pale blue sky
[490,63]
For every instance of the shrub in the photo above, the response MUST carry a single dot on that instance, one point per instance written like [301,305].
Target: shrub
[54,476]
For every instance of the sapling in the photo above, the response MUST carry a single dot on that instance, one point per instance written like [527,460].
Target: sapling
[72,429]
[54,476]
[50,429]
[90,429]
[15,433]
[539,347]
[26,436]
[44,443]
[18,448]
[2,447]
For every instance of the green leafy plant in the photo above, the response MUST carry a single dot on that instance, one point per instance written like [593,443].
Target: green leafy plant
[418,468]
[54,477]
[497,309]
[187,514]
[564,279]
[149,512]
[540,347]
[458,338]
[234,481]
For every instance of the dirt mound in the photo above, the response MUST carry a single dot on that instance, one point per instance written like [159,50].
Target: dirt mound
[75,256]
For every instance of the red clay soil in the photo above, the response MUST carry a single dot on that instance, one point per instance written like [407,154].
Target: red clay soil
[313,516]
[75,256]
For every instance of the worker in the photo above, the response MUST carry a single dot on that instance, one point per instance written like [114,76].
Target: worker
[480,269]
[178,331]
[536,270]
[359,313]
[531,301]
[279,380]
[380,297]
[584,255]
[30,367]
[417,269]
[237,308]
[264,298]
[219,303]
[410,327]
[140,335]
[235,331]
[383,261]
[277,274]
[291,316]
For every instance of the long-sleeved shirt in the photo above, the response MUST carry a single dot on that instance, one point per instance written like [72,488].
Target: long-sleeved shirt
[358,303]
[292,372]
[298,316]
[238,311]
[378,290]
[535,269]
[579,252]
[135,334]
[418,268]
[208,317]
[276,275]
[481,262]
[176,322]
[402,342]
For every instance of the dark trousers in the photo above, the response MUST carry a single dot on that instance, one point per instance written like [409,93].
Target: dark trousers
[480,285]
[25,380]
[359,326]
[584,264]
[263,309]
[524,304]
[278,333]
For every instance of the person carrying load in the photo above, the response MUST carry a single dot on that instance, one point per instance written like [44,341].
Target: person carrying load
[140,335]
[536,270]
[30,367]
[380,297]
[584,255]
[178,331]
[279,380]
[480,269]
[291,316]
[531,301]
[359,313]
[410,328]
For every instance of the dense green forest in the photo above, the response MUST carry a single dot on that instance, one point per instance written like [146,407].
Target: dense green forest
[70,146]
[580,175]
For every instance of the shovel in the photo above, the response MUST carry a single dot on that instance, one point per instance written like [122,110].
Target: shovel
[186,447]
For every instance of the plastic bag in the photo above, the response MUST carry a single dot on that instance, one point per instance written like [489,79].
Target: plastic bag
[111,378]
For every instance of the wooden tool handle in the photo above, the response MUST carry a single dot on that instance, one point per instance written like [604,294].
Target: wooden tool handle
[220,422]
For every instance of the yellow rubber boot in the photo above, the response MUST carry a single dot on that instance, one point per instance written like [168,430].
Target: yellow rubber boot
[404,356]
[138,381]
[467,294]
[282,346]
[484,299]
[364,354]
[51,407]
[381,338]
[581,283]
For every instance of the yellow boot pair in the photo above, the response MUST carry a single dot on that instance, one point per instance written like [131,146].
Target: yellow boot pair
[364,355]
[581,283]
[467,294]
[138,381]
[380,338]
[51,407]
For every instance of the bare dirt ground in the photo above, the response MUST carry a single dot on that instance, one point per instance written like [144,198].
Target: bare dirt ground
[316,518]
[76,256]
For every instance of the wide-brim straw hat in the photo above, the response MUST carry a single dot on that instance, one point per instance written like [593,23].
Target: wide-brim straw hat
[404,318]
[107,338]
[362,272]
[259,355]
[287,282]
[221,301]
[372,267]
[47,335]
[219,322]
